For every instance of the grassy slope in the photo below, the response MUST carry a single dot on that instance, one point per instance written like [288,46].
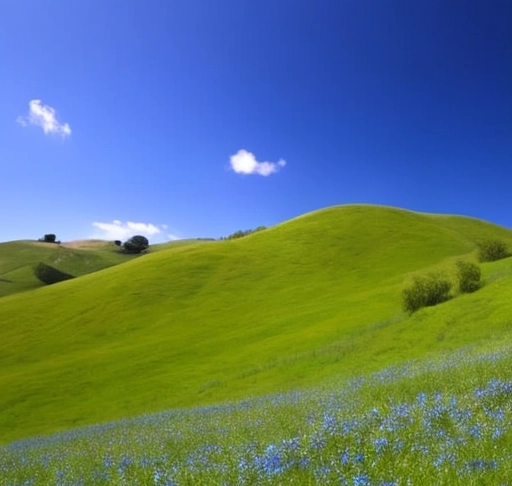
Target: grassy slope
[315,297]
[17,259]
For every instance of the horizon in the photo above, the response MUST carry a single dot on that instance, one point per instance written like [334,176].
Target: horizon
[223,237]
[188,120]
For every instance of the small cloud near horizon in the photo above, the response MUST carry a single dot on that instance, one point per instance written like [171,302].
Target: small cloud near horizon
[244,162]
[119,230]
[44,116]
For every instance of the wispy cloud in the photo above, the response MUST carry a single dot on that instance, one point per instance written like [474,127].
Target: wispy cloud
[244,162]
[44,116]
[118,230]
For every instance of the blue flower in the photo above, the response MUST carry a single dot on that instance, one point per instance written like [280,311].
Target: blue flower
[380,444]
[361,480]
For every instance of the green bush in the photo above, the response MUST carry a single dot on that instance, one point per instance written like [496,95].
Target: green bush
[426,291]
[242,233]
[468,276]
[492,250]
[50,275]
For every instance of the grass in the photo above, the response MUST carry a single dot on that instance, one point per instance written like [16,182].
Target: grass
[17,260]
[444,421]
[286,308]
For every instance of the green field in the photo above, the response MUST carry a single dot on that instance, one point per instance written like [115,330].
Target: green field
[18,258]
[444,421]
[312,299]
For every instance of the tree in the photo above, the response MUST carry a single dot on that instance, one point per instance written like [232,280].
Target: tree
[468,275]
[136,244]
[118,242]
[49,238]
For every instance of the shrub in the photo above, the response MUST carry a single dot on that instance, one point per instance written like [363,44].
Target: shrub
[468,276]
[426,291]
[136,244]
[242,233]
[50,275]
[492,250]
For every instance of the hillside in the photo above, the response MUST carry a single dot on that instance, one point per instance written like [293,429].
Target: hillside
[17,260]
[313,298]
[77,258]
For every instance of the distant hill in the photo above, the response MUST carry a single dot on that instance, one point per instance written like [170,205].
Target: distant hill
[80,257]
[315,297]
[17,260]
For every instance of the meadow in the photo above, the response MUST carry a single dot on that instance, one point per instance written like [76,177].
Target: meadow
[18,258]
[284,357]
[444,421]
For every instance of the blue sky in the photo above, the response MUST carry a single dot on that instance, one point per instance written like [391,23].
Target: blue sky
[197,118]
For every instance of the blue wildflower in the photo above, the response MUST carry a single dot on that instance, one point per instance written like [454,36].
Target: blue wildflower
[361,480]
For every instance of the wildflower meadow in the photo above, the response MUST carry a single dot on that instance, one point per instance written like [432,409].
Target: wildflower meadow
[445,422]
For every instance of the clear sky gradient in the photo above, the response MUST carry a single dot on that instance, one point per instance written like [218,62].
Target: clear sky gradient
[197,118]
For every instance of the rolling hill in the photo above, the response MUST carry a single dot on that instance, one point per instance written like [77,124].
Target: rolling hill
[17,260]
[312,299]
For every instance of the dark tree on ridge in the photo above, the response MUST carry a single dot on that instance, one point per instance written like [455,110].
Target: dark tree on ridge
[49,238]
[136,244]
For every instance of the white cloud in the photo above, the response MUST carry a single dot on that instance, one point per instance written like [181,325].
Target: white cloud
[244,162]
[117,230]
[44,116]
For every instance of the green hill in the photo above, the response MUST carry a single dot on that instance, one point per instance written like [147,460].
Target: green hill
[313,298]
[17,260]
